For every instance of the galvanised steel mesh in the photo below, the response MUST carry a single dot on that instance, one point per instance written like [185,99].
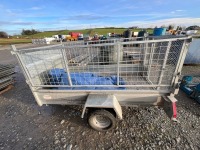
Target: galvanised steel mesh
[135,63]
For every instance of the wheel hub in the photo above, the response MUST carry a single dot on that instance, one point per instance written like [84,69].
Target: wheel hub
[101,121]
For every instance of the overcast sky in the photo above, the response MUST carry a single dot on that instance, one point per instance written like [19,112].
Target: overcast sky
[78,14]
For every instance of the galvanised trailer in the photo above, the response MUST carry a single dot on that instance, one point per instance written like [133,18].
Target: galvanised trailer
[105,75]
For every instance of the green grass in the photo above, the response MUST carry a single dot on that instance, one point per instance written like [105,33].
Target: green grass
[5,41]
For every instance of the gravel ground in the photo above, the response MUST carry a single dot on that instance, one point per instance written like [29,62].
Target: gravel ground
[25,125]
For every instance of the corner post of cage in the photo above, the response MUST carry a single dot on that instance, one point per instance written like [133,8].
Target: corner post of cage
[66,65]
[185,50]
[118,60]
[164,63]
[25,71]
[145,51]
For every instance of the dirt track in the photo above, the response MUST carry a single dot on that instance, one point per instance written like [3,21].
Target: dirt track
[25,125]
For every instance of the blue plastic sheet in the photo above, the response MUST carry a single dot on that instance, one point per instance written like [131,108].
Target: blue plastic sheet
[59,77]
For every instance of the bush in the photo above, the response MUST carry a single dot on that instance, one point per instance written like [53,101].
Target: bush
[29,32]
[3,34]
[195,27]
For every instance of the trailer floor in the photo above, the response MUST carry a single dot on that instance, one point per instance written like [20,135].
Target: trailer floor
[25,125]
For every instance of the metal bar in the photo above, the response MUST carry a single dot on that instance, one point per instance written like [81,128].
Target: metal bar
[151,59]
[102,85]
[6,84]
[131,42]
[145,52]
[27,76]
[109,44]
[118,61]
[106,91]
[39,48]
[149,81]
[154,41]
[36,70]
[164,63]
[181,58]
[66,66]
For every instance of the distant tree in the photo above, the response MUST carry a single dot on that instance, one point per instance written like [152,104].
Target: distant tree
[195,27]
[133,27]
[29,32]
[3,34]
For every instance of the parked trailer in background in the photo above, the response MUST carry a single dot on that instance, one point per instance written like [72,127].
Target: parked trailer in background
[43,41]
[60,37]
[105,75]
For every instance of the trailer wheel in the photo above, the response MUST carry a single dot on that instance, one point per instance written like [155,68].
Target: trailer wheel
[102,120]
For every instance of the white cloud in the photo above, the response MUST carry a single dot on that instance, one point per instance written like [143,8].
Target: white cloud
[10,12]
[176,21]
[36,8]
[179,10]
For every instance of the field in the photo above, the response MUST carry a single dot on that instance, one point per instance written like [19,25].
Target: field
[5,41]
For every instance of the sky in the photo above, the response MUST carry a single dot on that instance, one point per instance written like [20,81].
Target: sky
[46,15]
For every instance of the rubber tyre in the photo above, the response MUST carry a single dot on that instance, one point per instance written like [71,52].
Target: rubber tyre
[104,113]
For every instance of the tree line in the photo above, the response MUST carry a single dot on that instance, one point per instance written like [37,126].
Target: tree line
[29,32]
[3,34]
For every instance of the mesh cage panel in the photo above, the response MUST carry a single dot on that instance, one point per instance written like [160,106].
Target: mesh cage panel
[135,64]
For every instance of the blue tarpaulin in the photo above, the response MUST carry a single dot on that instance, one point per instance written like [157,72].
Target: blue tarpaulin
[59,77]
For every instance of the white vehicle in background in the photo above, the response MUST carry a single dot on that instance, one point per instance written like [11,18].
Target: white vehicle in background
[108,34]
[46,40]
[49,39]
[59,37]
[80,37]
[189,32]
[55,36]
[135,34]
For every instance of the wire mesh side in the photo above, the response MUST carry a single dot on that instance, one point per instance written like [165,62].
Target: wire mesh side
[38,63]
[115,63]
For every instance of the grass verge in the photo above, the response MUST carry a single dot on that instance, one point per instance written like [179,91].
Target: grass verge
[5,41]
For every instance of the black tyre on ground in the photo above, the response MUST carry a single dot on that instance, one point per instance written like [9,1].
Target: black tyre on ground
[102,120]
